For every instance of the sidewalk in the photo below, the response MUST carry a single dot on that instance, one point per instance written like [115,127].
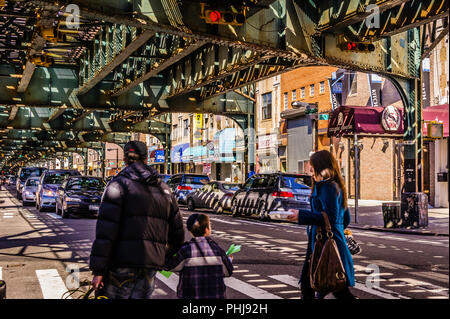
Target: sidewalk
[370,216]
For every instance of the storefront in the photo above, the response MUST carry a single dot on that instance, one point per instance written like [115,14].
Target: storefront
[366,143]
[436,152]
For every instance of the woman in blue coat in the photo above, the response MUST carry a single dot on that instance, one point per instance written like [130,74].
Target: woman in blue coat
[329,196]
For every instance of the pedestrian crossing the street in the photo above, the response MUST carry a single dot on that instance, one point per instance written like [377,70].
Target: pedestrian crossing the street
[52,285]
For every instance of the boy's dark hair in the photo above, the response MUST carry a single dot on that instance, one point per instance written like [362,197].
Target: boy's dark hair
[197,224]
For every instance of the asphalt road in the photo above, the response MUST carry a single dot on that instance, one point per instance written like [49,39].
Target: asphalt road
[38,251]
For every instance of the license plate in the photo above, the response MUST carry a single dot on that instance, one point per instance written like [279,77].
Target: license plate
[302,198]
[94,207]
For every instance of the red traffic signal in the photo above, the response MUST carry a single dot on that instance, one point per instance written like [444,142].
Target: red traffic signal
[357,46]
[214,16]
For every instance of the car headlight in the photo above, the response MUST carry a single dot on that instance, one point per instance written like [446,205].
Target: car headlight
[49,193]
[73,199]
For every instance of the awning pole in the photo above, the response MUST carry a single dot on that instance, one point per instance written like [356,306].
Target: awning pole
[356,177]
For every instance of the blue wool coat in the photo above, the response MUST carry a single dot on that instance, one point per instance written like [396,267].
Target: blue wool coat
[327,197]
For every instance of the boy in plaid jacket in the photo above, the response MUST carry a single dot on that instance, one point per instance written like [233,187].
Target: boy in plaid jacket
[202,264]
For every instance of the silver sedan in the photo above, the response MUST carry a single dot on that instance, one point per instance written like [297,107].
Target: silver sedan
[214,195]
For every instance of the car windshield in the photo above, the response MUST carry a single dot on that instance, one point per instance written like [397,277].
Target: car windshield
[85,184]
[32,182]
[28,172]
[199,180]
[296,182]
[230,187]
[56,178]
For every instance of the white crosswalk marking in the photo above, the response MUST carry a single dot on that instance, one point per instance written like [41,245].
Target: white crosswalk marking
[51,283]
[286,279]
[54,215]
[1,273]
[249,290]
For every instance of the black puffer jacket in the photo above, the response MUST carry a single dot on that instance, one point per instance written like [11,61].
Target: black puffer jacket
[138,222]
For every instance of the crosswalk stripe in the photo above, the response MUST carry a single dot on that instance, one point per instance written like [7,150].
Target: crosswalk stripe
[249,290]
[233,283]
[1,273]
[433,275]
[286,279]
[51,283]
[54,215]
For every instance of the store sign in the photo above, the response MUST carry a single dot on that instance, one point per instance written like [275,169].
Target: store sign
[390,118]
[266,141]
[159,156]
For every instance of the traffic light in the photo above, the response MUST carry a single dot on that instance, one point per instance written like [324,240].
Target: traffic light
[220,16]
[357,46]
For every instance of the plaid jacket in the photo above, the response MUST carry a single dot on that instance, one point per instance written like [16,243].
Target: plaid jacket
[202,265]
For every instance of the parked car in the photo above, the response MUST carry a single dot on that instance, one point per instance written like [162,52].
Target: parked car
[29,190]
[214,195]
[11,180]
[165,177]
[22,176]
[79,195]
[183,184]
[270,196]
[48,187]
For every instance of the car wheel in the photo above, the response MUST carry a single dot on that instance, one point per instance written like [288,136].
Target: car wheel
[262,211]
[190,204]
[234,209]
[218,209]
[64,214]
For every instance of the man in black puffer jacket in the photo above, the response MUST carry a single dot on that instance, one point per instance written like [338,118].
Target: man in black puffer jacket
[138,224]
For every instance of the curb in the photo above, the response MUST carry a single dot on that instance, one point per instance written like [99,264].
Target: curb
[399,231]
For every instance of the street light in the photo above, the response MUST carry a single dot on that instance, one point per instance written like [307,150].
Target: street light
[117,156]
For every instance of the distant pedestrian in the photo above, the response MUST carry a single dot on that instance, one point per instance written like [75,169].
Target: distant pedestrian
[329,196]
[138,224]
[202,264]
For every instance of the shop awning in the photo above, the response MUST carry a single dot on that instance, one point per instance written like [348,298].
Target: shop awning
[348,120]
[436,113]
[198,154]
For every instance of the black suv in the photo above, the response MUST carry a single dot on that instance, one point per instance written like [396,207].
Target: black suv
[272,195]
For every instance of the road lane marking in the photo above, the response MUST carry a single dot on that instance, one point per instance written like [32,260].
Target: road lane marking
[54,215]
[233,283]
[273,286]
[286,279]
[223,221]
[51,283]
[1,273]
[249,290]
[433,275]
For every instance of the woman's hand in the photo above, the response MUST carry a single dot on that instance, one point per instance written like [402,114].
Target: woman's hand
[97,282]
[294,216]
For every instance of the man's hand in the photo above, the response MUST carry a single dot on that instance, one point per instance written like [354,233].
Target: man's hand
[97,282]
[294,216]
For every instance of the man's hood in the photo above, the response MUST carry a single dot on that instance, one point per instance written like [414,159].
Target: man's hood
[141,173]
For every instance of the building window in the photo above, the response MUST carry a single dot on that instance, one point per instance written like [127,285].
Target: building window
[186,127]
[294,95]
[267,106]
[322,87]
[175,131]
[311,90]
[285,100]
[300,167]
[352,83]
[302,92]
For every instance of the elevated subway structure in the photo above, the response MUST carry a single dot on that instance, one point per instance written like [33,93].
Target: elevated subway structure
[76,73]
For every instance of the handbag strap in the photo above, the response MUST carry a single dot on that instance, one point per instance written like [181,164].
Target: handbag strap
[327,225]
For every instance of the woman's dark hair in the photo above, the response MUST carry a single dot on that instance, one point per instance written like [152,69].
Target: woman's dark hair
[326,166]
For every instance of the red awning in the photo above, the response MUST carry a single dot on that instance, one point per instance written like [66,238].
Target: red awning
[348,120]
[437,113]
